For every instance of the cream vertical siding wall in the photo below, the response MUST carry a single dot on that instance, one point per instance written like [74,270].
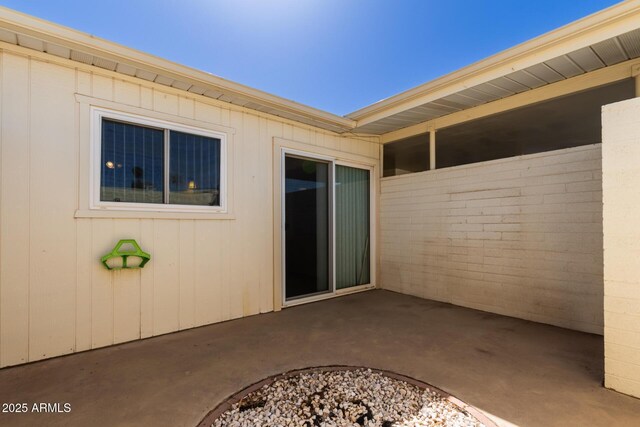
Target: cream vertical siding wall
[621,194]
[55,297]
[520,236]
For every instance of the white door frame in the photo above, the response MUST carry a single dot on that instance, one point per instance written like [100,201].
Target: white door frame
[333,161]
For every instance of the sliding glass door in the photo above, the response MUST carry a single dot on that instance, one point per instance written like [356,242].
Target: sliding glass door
[307,193]
[326,227]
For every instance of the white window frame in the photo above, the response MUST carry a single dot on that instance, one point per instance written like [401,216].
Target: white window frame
[98,114]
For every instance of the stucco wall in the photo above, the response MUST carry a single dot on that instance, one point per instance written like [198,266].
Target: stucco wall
[55,298]
[520,236]
[621,196]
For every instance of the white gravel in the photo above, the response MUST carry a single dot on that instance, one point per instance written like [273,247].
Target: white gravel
[344,398]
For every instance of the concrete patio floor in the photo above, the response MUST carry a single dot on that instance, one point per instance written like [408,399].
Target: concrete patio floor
[517,372]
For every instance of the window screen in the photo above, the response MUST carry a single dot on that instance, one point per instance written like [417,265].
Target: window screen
[194,169]
[132,168]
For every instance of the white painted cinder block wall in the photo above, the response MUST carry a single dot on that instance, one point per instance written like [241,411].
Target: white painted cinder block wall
[520,236]
[621,186]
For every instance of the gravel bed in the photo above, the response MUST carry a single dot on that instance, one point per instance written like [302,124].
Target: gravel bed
[356,397]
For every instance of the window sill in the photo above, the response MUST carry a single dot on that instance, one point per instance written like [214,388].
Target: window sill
[114,213]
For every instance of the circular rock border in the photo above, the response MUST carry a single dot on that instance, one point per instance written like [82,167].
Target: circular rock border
[226,404]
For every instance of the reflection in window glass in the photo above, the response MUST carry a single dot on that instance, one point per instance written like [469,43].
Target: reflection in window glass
[194,166]
[132,163]
[307,227]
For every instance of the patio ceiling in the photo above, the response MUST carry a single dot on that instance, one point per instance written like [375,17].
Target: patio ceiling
[603,39]
[608,52]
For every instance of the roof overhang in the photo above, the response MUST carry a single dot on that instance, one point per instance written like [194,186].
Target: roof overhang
[606,38]
[597,41]
[30,32]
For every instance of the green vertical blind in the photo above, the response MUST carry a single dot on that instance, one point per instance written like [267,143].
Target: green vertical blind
[352,227]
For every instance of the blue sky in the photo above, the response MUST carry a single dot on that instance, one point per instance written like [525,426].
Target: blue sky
[336,55]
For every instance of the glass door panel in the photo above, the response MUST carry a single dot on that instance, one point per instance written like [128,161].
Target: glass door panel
[352,223]
[307,210]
